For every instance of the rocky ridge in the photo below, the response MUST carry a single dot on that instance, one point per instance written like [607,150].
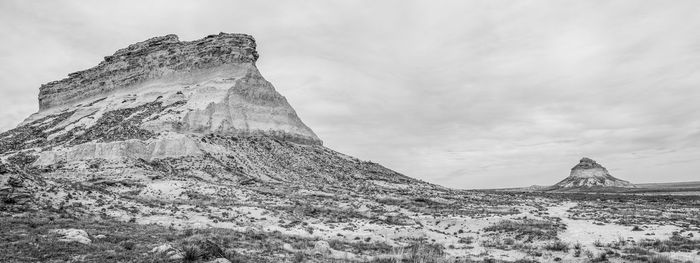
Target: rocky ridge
[587,174]
[155,58]
[162,86]
[164,119]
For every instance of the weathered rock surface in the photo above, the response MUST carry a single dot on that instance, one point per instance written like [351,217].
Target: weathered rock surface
[155,58]
[163,117]
[163,85]
[322,247]
[588,173]
[73,235]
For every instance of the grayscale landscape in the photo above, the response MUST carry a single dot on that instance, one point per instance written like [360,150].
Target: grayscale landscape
[171,150]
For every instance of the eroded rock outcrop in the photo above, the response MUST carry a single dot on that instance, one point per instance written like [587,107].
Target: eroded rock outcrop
[163,85]
[155,58]
[162,108]
[190,135]
[587,174]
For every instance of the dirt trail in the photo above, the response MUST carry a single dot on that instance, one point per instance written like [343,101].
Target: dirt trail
[586,233]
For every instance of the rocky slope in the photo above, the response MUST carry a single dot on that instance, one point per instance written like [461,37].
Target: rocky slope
[589,174]
[164,113]
[176,152]
[190,135]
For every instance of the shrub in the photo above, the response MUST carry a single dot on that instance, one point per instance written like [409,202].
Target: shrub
[299,257]
[660,259]
[508,241]
[557,246]
[598,243]
[211,250]
[602,257]
[417,252]
[424,252]
[234,257]
[466,240]
[637,251]
[9,200]
[128,245]
[191,253]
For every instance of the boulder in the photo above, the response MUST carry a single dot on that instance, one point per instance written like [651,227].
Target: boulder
[73,235]
[162,248]
[322,247]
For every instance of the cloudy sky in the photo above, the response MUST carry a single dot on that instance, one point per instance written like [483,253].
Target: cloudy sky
[468,94]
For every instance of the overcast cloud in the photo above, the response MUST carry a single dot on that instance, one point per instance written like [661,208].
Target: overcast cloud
[468,94]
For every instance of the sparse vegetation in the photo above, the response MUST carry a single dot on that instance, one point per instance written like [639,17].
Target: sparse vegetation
[189,169]
[527,229]
[660,259]
[191,253]
[674,243]
[557,246]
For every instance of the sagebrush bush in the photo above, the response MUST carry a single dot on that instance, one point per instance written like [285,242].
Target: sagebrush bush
[557,246]
[191,253]
[128,245]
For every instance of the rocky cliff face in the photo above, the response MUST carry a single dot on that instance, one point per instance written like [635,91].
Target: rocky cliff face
[204,86]
[190,135]
[196,111]
[156,58]
[588,173]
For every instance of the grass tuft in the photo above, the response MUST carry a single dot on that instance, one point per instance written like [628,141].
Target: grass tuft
[191,253]
[557,246]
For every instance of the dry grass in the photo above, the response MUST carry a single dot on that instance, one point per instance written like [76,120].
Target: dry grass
[674,243]
[527,229]
[29,240]
[557,246]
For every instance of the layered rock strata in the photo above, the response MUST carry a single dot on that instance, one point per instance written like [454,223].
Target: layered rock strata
[204,86]
[196,110]
[588,173]
[158,57]
[189,135]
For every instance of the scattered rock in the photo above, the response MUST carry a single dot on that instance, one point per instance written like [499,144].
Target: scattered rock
[20,215]
[4,169]
[162,248]
[73,235]
[322,247]
[289,248]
